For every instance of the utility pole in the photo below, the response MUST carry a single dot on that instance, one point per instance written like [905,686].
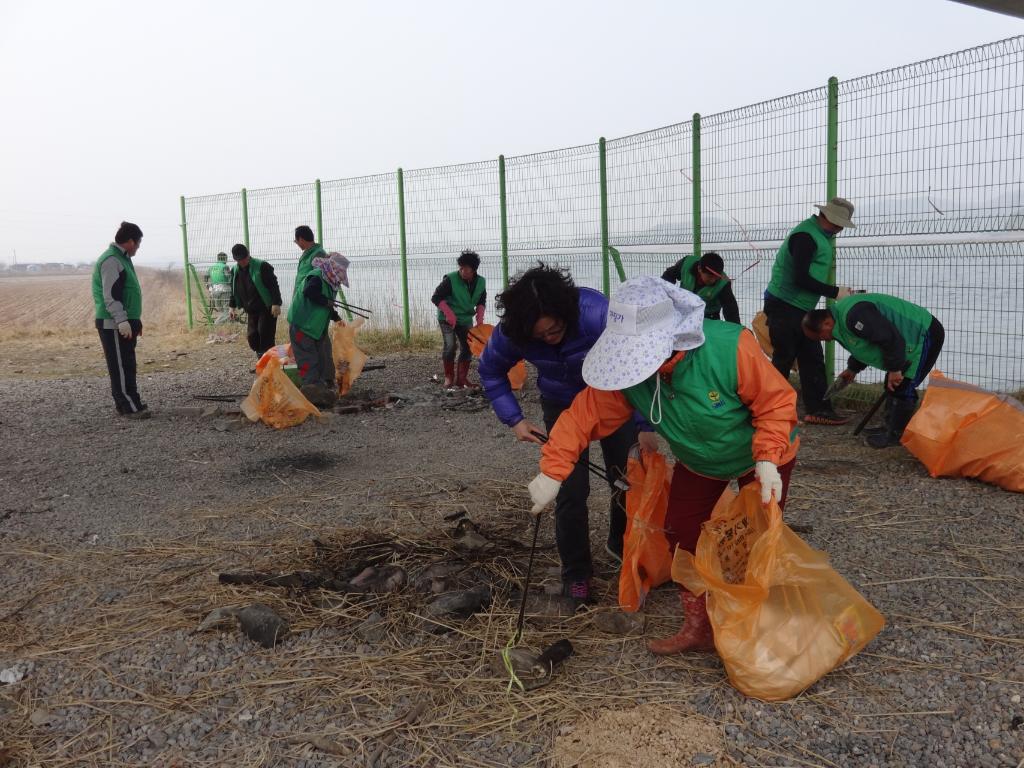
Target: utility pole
[15,256]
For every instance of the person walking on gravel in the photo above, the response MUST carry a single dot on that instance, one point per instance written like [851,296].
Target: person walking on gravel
[706,277]
[888,333]
[117,297]
[254,288]
[799,280]
[549,322]
[309,318]
[218,282]
[460,298]
[706,387]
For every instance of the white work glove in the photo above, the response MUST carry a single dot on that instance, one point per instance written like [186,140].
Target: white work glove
[125,329]
[768,476]
[543,490]
[844,291]
[275,310]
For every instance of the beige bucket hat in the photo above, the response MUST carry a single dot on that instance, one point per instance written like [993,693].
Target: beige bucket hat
[839,211]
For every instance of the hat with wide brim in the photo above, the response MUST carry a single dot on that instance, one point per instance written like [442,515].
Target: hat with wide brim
[839,211]
[648,319]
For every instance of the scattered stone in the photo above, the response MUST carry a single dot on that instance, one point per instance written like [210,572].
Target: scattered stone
[459,605]
[378,579]
[261,624]
[40,717]
[619,622]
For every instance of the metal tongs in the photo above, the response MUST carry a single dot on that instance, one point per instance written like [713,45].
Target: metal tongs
[595,470]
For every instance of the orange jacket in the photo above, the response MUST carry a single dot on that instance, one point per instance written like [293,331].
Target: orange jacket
[595,414]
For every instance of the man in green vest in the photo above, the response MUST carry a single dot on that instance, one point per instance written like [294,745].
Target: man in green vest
[460,298]
[309,318]
[799,279]
[117,297]
[706,277]
[310,250]
[254,288]
[218,281]
[888,333]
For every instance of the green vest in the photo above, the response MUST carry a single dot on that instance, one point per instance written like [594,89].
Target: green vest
[703,419]
[218,274]
[256,275]
[910,320]
[132,298]
[312,319]
[782,285]
[462,302]
[709,293]
[304,267]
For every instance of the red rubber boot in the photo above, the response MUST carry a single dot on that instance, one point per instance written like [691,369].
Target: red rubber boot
[695,635]
[462,378]
[449,373]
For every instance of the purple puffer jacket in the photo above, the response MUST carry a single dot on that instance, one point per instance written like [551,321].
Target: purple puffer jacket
[559,367]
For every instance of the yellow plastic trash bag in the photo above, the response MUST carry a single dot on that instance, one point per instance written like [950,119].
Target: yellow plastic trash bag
[349,359]
[965,431]
[478,337]
[782,617]
[274,399]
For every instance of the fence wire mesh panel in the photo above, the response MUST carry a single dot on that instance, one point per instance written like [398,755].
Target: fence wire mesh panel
[274,213]
[361,215]
[931,154]
[762,168]
[650,187]
[450,209]
[936,146]
[554,199]
[214,225]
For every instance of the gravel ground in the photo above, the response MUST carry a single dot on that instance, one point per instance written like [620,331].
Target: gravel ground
[941,685]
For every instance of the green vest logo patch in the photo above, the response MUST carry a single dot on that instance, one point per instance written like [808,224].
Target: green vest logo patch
[715,398]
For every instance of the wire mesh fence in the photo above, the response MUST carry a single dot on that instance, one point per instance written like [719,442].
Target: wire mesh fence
[930,154]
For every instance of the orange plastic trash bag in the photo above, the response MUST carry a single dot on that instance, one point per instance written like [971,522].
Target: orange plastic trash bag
[274,399]
[782,617]
[646,560]
[349,359]
[478,336]
[283,353]
[965,431]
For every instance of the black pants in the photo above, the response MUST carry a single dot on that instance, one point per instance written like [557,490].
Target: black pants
[572,519]
[789,344]
[120,355]
[907,390]
[262,331]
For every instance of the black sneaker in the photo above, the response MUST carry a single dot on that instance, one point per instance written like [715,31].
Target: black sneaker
[139,415]
[826,418]
[577,590]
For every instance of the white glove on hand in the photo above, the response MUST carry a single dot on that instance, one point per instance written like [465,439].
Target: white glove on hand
[125,329]
[767,475]
[275,311]
[543,490]
[844,291]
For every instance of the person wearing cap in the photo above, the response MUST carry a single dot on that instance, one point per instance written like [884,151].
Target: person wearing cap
[706,387]
[549,322]
[897,336]
[460,299]
[705,276]
[309,318]
[799,279]
[218,281]
[254,288]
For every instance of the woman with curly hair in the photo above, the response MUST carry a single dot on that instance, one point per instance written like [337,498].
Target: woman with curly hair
[549,322]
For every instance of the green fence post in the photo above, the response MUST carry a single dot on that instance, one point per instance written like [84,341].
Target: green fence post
[696,184]
[405,264]
[245,217]
[504,221]
[617,260]
[831,183]
[319,216]
[605,271]
[184,243]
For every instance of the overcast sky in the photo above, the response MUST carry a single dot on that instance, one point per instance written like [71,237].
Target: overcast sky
[111,110]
